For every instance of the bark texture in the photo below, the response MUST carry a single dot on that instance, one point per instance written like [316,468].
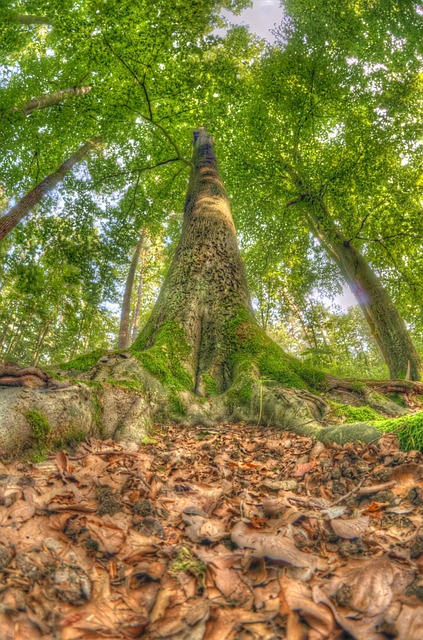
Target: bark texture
[50,99]
[206,285]
[140,292]
[21,209]
[124,340]
[386,324]
[28,19]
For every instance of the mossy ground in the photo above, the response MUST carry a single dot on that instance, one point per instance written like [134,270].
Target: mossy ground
[355,414]
[84,362]
[409,430]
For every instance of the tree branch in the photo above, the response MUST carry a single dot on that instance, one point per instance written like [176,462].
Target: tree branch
[150,117]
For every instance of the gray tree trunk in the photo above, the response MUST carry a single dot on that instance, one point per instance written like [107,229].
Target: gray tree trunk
[206,285]
[21,209]
[387,326]
[50,99]
[124,340]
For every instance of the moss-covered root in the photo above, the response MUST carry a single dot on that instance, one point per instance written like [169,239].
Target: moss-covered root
[409,430]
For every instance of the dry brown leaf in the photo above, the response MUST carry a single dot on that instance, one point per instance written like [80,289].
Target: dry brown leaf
[349,529]
[272,546]
[298,598]
[20,511]
[107,533]
[204,530]
[372,585]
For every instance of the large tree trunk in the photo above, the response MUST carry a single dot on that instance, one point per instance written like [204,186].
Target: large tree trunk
[21,209]
[50,99]
[201,340]
[124,339]
[386,324]
[205,287]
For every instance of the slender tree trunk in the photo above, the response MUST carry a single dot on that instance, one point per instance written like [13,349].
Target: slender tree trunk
[28,19]
[140,291]
[21,209]
[40,341]
[124,340]
[50,99]
[386,324]
[206,285]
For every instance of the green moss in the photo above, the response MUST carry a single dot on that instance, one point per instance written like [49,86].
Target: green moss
[241,391]
[97,413]
[148,440]
[94,384]
[252,347]
[360,387]
[356,414]
[177,406]
[40,425]
[132,385]
[84,362]
[37,455]
[187,562]
[40,428]
[165,358]
[70,440]
[409,429]
[210,385]
[397,398]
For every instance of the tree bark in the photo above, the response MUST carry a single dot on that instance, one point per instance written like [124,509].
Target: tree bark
[28,19]
[124,340]
[50,99]
[140,291]
[206,284]
[21,209]
[387,326]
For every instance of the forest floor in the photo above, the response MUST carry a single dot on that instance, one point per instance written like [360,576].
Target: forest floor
[234,532]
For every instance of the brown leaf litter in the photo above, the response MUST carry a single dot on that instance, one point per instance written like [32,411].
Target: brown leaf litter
[236,532]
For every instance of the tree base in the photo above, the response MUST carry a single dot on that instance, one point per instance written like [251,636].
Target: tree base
[118,398]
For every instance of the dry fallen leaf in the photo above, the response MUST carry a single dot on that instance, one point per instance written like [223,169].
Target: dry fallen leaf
[349,529]
[272,546]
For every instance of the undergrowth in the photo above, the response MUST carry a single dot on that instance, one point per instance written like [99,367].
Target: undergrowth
[409,429]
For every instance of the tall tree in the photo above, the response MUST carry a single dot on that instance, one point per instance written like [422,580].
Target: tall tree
[339,150]
[21,209]
[124,339]
[203,325]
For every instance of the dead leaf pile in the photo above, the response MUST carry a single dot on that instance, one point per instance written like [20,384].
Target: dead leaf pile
[227,533]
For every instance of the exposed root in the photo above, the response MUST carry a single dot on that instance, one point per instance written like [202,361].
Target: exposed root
[12,375]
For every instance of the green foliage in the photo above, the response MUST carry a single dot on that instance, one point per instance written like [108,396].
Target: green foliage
[333,109]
